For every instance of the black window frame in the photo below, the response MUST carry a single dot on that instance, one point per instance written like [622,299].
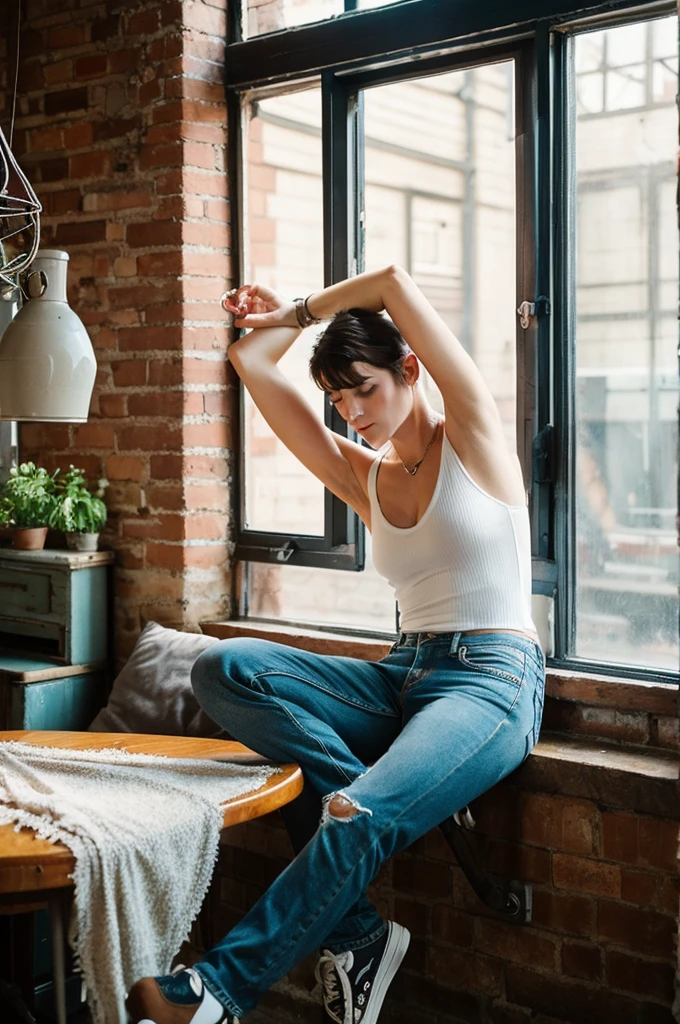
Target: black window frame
[345,55]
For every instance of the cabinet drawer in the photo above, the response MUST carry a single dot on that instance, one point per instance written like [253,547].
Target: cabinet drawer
[24,593]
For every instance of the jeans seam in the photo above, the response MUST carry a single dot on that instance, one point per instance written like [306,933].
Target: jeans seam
[498,672]
[311,736]
[331,693]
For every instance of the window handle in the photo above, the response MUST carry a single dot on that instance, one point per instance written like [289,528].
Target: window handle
[527,310]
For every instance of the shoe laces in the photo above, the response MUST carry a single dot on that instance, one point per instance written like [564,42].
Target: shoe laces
[331,972]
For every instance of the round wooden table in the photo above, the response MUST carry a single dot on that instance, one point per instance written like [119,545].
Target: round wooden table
[34,871]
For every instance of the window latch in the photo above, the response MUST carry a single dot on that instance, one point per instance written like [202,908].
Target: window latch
[527,310]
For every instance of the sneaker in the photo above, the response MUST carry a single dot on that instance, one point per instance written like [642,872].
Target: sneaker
[179,998]
[355,982]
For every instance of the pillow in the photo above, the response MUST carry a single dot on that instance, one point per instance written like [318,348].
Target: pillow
[153,694]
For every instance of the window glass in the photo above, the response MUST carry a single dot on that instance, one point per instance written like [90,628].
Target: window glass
[284,249]
[439,200]
[626,363]
[271,15]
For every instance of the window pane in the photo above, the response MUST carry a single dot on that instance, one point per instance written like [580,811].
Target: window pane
[271,15]
[440,200]
[627,383]
[284,244]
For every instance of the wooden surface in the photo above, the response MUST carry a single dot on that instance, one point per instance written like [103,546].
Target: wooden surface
[31,866]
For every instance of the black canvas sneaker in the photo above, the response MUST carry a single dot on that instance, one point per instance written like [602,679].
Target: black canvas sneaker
[355,982]
[178,998]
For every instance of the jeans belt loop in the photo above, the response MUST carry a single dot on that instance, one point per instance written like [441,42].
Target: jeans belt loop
[455,643]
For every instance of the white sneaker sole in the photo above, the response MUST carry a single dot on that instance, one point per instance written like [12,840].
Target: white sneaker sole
[395,950]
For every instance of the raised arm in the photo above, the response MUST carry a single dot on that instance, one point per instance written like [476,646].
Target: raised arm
[473,422]
[334,460]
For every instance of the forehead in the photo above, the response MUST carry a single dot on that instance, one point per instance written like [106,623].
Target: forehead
[366,371]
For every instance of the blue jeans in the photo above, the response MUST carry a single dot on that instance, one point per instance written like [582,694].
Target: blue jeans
[440,719]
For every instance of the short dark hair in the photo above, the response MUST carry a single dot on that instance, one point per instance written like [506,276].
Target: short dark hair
[356,336]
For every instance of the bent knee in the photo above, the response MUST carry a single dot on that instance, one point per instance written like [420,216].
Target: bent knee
[228,663]
[340,806]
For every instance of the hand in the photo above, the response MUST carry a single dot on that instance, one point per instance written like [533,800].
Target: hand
[255,305]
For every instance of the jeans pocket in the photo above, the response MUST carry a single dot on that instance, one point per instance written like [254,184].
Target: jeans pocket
[508,663]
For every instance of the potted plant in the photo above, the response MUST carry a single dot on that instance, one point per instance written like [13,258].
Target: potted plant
[79,512]
[27,504]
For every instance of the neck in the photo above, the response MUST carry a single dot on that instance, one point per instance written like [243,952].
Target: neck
[415,433]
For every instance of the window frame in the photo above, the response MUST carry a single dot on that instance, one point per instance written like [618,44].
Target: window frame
[442,37]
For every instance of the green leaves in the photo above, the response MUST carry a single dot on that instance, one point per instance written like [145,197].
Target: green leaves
[33,497]
[78,510]
[29,497]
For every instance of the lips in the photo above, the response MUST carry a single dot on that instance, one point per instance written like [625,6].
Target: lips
[361,430]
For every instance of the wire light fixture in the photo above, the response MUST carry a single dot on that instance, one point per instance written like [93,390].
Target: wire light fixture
[19,206]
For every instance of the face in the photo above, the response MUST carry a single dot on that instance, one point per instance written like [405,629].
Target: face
[377,408]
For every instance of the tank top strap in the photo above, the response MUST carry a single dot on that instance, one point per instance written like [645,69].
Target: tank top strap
[372,478]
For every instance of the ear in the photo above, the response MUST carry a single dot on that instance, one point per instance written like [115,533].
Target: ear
[411,369]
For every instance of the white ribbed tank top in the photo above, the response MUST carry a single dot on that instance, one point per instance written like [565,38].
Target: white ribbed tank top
[466,564]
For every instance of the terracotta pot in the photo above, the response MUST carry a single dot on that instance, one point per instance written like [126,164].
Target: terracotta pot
[29,538]
[82,541]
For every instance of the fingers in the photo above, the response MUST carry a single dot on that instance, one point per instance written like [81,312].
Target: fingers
[234,301]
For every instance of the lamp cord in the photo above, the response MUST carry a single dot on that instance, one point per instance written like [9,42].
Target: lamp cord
[16,76]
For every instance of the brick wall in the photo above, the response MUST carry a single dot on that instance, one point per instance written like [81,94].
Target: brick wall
[601,943]
[121,128]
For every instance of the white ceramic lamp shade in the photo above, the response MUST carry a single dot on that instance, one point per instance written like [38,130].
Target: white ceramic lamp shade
[47,364]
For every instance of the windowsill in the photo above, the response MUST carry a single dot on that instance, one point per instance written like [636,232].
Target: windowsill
[617,693]
[643,779]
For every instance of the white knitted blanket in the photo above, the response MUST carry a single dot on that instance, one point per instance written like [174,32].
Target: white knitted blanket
[145,834]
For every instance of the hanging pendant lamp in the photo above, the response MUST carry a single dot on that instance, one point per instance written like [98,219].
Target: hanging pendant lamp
[47,363]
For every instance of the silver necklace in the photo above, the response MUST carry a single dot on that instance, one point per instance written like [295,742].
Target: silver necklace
[412,472]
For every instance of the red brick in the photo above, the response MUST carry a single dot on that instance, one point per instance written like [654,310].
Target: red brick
[113,405]
[165,556]
[58,71]
[579,874]
[90,66]
[165,373]
[167,403]
[193,403]
[125,467]
[208,557]
[207,338]
[166,467]
[160,264]
[207,233]
[204,371]
[576,1002]
[658,843]
[89,165]
[638,887]
[145,294]
[414,875]
[572,914]
[465,970]
[158,437]
[213,495]
[130,373]
[643,977]
[169,526]
[61,37]
[207,435]
[143,23]
[645,931]
[450,925]
[157,155]
[45,139]
[78,136]
[518,945]
[153,233]
[143,338]
[80,232]
[165,497]
[94,435]
[582,961]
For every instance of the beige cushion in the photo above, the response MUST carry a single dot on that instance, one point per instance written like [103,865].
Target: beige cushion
[153,692]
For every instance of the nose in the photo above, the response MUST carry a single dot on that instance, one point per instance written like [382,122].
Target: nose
[354,410]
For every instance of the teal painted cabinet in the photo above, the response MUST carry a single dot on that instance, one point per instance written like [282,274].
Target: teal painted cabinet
[54,631]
